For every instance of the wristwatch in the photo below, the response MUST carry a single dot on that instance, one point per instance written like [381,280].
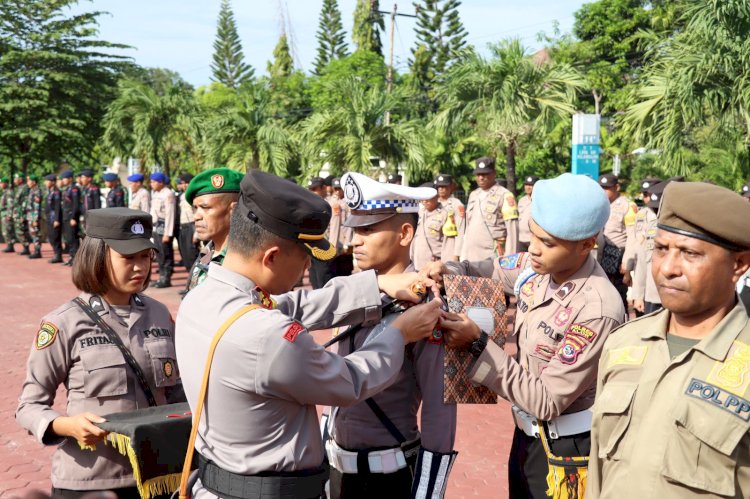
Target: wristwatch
[478,345]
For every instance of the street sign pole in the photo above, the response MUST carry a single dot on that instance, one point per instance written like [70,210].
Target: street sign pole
[586,149]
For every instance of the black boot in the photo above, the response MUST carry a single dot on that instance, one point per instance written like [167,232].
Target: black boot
[69,263]
[9,249]
[56,259]
[163,283]
[36,254]
[25,250]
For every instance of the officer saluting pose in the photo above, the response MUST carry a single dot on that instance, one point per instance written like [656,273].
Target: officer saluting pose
[566,309]
[259,424]
[672,412]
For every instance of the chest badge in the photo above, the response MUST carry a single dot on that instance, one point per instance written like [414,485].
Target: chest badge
[168,367]
[563,316]
[732,374]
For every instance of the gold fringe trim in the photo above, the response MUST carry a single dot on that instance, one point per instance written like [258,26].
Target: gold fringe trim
[155,486]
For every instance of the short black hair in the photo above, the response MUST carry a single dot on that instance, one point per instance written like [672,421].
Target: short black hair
[406,218]
[247,237]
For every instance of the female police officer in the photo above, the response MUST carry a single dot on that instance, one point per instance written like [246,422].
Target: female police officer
[111,346]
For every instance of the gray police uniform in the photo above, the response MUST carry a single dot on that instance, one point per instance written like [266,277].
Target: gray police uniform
[269,373]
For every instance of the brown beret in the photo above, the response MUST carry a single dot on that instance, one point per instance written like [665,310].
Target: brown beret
[708,212]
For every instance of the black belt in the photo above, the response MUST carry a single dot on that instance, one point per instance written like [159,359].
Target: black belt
[267,485]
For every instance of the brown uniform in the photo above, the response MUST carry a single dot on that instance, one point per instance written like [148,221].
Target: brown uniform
[140,200]
[524,217]
[622,213]
[269,373]
[430,242]
[337,234]
[672,428]
[163,206]
[491,220]
[456,208]
[560,332]
[644,287]
[70,349]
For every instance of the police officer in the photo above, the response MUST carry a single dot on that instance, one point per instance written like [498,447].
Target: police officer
[71,214]
[383,431]
[187,242]
[94,345]
[320,271]
[53,210]
[6,213]
[524,213]
[116,195]
[20,224]
[163,208]
[91,195]
[672,413]
[491,217]
[566,309]
[338,234]
[140,198]
[615,235]
[434,237]
[633,241]
[213,194]
[34,215]
[259,423]
[456,213]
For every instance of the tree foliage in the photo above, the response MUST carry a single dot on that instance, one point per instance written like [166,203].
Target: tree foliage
[368,24]
[229,66]
[331,36]
[282,64]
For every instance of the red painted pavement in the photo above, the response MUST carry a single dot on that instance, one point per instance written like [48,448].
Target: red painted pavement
[30,288]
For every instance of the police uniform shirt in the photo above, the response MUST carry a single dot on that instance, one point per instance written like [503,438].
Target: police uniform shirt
[457,210]
[116,197]
[187,214]
[430,243]
[269,373]
[338,235]
[560,332]
[70,349]
[141,200]
[672,428]
[419,381]
[622,213]
[644,287]
[491,215]
[524,217]
[163,210]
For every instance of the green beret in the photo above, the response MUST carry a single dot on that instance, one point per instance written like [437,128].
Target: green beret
[5,179]
[707,212]
[213,181]
[35,178]
[18,175]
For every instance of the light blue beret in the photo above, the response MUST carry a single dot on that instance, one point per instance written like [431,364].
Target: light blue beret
[570,207]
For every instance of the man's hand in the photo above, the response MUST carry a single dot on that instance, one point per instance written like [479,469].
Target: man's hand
[165,239]
[458,330]
[418,322]
[73,223]
[80,427]
[434,271]
[409,286]
[639,305]
[627,279]
[55,224]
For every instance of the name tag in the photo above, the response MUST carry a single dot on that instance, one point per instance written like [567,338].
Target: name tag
[722,399]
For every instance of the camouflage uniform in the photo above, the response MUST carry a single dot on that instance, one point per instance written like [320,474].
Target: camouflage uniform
[20,197]
[6,213]
[33,212]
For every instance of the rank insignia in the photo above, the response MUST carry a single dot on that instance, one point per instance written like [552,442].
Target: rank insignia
[565,290]
[293,331]
[46,335]
[137,300]
[510,262]
[168,368]
[96,304]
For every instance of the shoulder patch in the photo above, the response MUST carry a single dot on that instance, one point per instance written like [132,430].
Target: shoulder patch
[571,348]
[582,332]
[511,262]
[46,335]
[293,331]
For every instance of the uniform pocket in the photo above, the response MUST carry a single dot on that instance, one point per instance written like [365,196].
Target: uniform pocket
[163,363]
[612,416]
[106,374]
[702,448]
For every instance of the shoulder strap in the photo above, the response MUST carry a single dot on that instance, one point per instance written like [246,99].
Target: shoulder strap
[115,339]
[202,396]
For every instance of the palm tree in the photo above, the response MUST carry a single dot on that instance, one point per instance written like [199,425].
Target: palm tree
[355,132]
[153,127]
[507,97]
[247,135]
[696,78]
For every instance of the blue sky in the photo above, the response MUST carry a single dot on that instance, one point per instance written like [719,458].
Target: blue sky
[179,34]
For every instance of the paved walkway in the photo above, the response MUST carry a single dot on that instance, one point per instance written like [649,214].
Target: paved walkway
[30,288]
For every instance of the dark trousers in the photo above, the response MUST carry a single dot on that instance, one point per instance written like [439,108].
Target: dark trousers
[649,307]
[616,280]
[70,235]
[527,465]
[164,257]
[320,273]
[373,485]
[188,249]
[54,235]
